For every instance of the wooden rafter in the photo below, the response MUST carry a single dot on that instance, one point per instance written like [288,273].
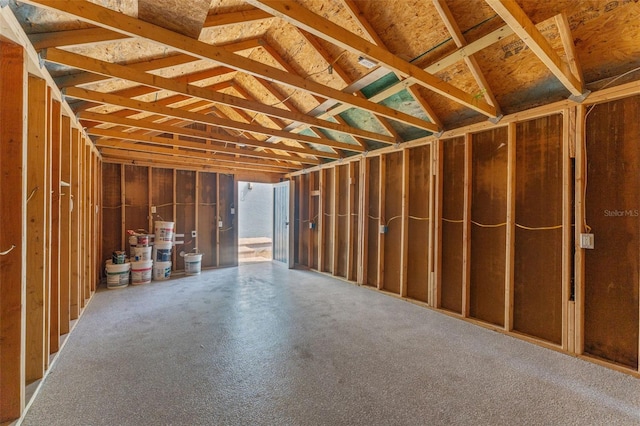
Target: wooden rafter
[327,30]
[569,48]
[152,80]
[83,36]
[178,128]
[119,155]
[153,64]
[198,146]
[520,23]
[106,98]
[103,17]
[460,41]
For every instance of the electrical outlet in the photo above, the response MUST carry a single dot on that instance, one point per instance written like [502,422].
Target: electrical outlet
[233,210]
[153,209]
[312,225]
[383,229]
[587,241]
[193,234]
[219,224]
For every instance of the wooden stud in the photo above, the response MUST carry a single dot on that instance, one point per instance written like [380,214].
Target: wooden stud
[404,237]
[219,216]
[55,142]
[47,235]
[36,231]
[579,228]
[13,146]
[438,178]
[466,231]
[568,324]
[382,219]
[334,218]
[65,228]
[76,203]
[433,165]
[321,220]
[363,252]
[510,227]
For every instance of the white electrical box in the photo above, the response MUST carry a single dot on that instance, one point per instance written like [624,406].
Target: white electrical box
[219,224]
[233,210]
[153,209]
[193,234]
[587,241]
[383,229]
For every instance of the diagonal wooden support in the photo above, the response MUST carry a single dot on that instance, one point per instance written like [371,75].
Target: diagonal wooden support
[520,23]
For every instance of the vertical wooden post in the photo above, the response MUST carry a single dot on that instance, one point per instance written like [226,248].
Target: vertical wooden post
[404,237]
[88,207]
[321,220]
[47,235]
[36,230]
[312,218]
[218,215]
[433,165]
[65,227]
[579,228]
[150,198]
[334,218]
[363,253]
[54,313]
[466,228]
[510,227]
[197,202]
[437,175]
[382,220]
[76,202]
[568,306]
[353,229]
[13,92]
[123,207]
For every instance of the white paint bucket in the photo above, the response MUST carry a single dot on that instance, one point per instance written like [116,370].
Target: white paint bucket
[140,253]
[192,263]
[162,251]
[141,272]
[164,231]
[117,274]
[161,270]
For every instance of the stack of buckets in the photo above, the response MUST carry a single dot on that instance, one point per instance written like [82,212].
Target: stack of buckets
[117,270]
[141,262]
[162,250]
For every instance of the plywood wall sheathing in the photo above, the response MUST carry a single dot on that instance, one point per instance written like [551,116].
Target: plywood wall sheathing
[611,274]
[207,224]
[372,210]
[539,228]
[452,200]
[419,223]
[488,226]
[392,220]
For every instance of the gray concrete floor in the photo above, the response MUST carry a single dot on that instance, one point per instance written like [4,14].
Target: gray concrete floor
[261,345]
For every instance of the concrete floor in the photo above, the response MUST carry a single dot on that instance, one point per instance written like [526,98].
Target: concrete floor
[261,345]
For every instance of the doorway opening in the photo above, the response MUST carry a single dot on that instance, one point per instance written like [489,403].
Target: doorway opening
[255,222]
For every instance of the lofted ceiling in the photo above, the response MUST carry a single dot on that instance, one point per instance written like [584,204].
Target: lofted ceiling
[278,86]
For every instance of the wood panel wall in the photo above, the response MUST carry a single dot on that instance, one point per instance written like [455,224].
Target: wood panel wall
[494,214]
[195,201]
[49,239]
[612,212]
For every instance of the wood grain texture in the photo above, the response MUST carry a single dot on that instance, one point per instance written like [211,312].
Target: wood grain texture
[488,211]
[538,252]
[612,204]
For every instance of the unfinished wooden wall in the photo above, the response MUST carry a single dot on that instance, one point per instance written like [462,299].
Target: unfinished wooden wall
[49,241]
[485,224]
[612,212]
[196,201]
